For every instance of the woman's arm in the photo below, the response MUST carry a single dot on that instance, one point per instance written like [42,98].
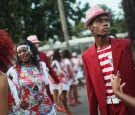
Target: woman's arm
[117,88]
[70,71]
[3,95]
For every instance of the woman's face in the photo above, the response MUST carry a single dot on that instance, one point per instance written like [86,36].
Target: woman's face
[61,55]
[24,54]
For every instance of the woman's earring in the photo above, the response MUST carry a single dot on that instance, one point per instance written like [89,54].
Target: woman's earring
[31,54]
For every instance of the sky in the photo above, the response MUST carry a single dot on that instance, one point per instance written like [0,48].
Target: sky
[113,4]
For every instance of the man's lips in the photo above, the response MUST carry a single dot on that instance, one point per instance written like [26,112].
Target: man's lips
[106,29]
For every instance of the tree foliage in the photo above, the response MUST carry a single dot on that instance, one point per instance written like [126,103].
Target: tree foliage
[22,18]
[129,11]
[78,27]
[40,17]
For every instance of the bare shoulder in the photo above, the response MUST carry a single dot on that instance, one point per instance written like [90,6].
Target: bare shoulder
[2,77]
[3,94]
[3,82]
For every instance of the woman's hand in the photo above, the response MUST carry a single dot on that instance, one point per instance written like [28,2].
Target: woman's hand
[117,89]
[116,83]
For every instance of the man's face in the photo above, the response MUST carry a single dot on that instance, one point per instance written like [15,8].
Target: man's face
[100,26]
[36,45]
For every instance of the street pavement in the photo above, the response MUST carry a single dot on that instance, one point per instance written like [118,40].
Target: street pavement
[81,109]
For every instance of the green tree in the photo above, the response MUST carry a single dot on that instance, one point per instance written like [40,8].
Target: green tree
[129,12]
[40,17]
[77,29]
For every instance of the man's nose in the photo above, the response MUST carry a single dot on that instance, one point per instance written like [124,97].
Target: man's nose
[106,23]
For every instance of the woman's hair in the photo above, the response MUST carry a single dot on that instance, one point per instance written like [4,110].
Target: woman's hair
[66,53]
[128,7]
[56,55]
[34,51]
[7,52]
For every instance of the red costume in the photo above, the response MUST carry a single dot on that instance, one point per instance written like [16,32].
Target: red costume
[43,58]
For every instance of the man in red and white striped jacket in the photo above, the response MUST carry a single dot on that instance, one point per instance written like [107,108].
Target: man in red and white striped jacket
[103,60]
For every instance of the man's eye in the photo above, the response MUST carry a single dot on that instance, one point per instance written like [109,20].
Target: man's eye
[107,20]
[99,21]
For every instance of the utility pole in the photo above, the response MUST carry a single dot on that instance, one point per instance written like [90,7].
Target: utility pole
[63,22]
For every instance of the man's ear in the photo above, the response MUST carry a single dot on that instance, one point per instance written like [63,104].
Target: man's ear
[90,28]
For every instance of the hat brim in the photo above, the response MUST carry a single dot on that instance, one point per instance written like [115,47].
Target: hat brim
[100,13]
[35,41]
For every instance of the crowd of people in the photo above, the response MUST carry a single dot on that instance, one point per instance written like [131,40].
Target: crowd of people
[31,84]
[35,83]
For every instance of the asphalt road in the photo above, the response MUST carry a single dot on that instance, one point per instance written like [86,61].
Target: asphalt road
[81,109]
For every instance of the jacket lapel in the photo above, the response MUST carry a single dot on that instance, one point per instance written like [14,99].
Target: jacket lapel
[116,53]
[95,62]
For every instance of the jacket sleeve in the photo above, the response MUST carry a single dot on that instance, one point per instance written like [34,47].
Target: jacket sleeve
[93,104]
[51,71]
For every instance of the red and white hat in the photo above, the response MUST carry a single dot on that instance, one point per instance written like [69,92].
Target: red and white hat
[50,53]
[33,39]
[94,12]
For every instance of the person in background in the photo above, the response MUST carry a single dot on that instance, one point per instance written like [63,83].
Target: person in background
[31,75]
[52,84]
[78,68]
[66,60]
[9,100]
[43,57]
[102,60]
[117,88]
[60,68]
[49,55]
[77,74]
